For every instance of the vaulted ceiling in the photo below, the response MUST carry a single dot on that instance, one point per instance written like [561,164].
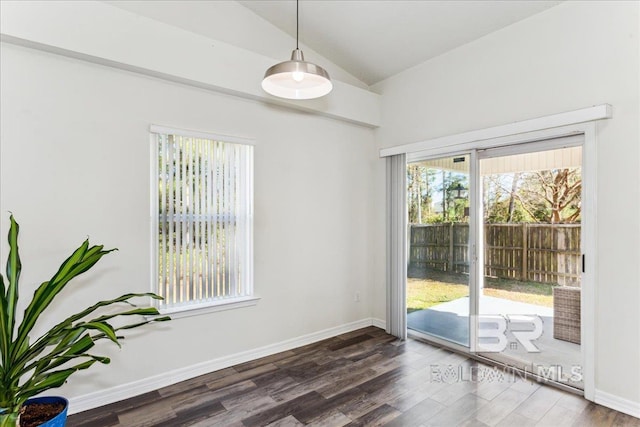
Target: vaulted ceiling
[376,39]
[370,40]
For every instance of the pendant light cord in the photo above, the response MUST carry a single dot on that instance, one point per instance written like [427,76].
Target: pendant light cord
[297,21]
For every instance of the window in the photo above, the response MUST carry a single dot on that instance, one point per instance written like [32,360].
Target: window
[204,219]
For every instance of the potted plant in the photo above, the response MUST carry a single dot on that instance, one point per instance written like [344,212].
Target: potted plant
[30,366]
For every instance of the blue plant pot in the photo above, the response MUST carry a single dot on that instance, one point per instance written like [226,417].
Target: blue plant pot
[59,420]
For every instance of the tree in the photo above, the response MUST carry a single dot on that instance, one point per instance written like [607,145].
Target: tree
[552,196]
[549,196]
[419,193]
[512,196]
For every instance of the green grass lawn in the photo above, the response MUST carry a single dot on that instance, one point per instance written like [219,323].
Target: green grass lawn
[529,292]
[426,289]
[425,293]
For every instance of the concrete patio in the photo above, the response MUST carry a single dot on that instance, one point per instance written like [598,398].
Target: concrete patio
[450,321]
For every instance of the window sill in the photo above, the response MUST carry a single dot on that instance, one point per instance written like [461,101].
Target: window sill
[209,307]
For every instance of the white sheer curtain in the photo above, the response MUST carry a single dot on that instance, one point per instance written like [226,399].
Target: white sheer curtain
[397,245]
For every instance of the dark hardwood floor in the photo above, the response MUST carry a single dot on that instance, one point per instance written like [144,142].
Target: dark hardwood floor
[363,378]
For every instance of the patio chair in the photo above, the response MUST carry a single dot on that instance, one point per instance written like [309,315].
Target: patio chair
[566,313]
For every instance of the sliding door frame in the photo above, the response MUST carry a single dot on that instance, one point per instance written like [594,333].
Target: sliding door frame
[519,149]
[588,243]
[473,259]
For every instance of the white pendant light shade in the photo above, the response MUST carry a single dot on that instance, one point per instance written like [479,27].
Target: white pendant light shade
[297,79]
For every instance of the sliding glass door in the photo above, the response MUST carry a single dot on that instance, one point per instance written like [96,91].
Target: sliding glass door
[438,235]
[530,299]
[494,255]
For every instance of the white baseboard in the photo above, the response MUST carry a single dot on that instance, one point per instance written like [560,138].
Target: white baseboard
[620,404]
[135,388]
[379,323]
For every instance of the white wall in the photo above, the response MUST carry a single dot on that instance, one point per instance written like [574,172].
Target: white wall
[571,56]
[75,162]
[228,21]
[103,34]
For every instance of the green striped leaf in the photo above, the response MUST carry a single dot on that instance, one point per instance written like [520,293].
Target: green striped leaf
[105,328]
[30,368]
[54,334]
[5,338]
[13,275]
[76,264]
[53,379]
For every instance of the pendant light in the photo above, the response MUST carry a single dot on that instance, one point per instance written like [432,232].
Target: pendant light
[297,79]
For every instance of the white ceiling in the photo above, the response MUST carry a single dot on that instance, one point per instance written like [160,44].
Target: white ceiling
[360,42]
[374,40]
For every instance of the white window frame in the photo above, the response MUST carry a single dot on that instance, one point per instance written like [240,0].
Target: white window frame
[197,307]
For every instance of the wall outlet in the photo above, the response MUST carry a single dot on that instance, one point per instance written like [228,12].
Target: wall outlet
[356,297]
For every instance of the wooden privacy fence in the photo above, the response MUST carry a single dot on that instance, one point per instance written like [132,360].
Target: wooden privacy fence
[547,253]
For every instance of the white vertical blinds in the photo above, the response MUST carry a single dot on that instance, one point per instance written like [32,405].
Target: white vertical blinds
[205,220]
[397,245]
